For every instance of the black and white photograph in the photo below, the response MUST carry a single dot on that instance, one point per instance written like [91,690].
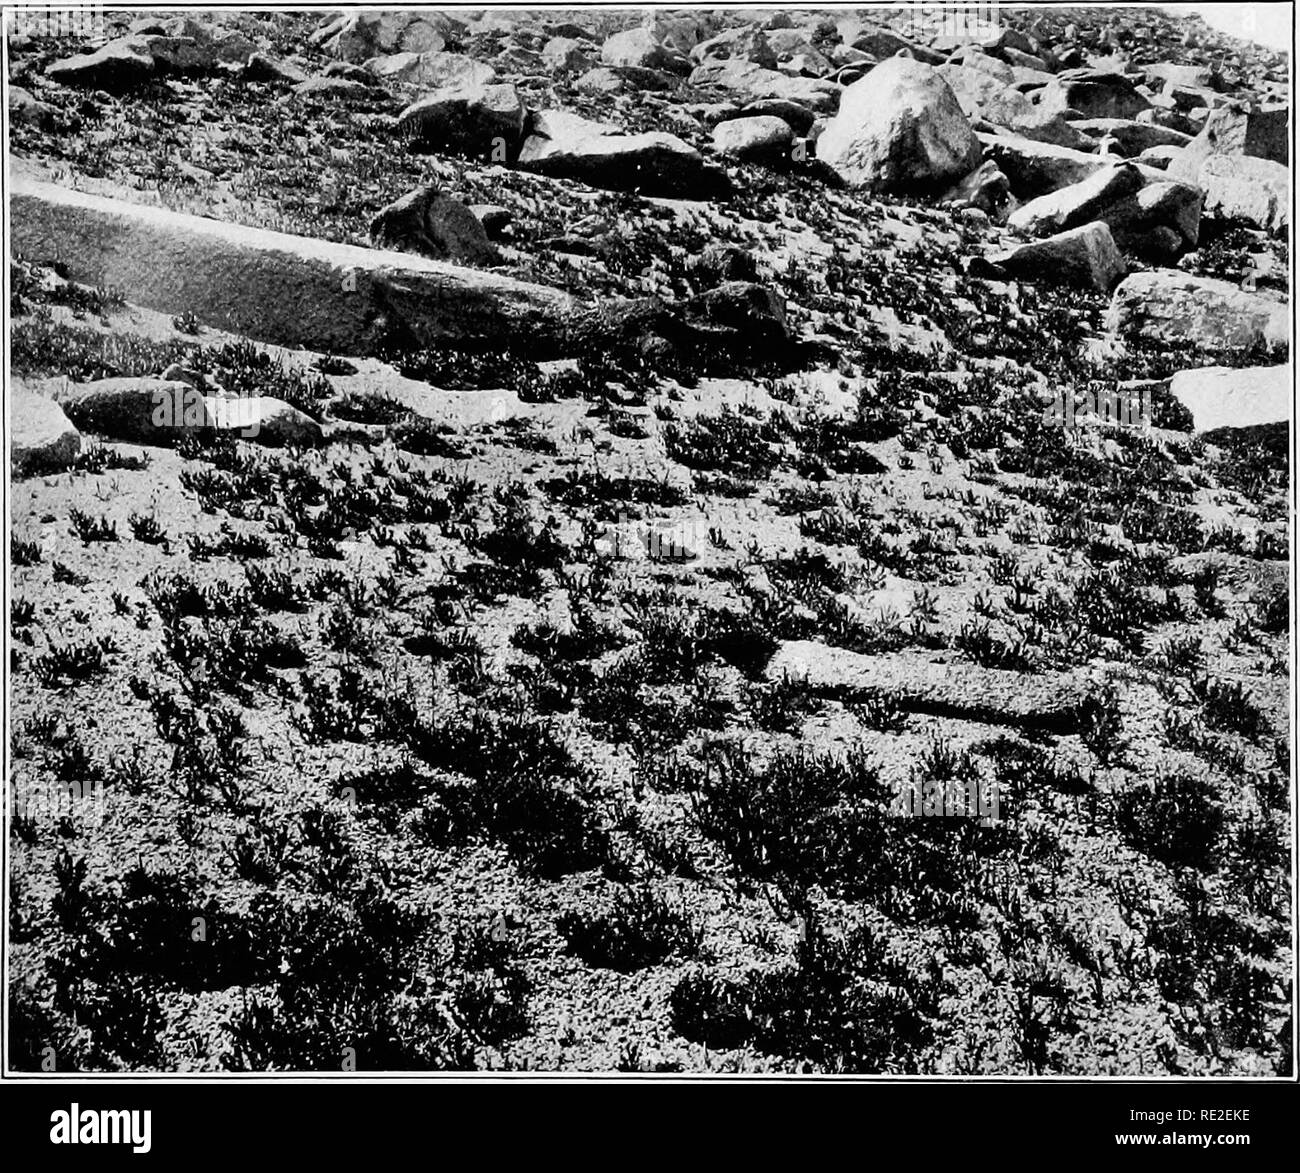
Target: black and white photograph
[662,543]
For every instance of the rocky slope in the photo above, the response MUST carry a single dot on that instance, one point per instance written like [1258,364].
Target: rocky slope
[509,510]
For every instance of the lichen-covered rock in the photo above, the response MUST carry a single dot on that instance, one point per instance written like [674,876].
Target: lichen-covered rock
[1168,306]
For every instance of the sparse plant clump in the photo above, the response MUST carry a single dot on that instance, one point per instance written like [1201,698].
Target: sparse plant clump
[73,662]
[640,929]
[1176,819]
[844,1004]
[1102,725]
[92,529]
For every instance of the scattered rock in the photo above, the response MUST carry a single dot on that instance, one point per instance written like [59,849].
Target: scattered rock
[261,418]
[494,218]
[617,79]
[1237,129]
[1044,126]
[748,313]
[23,107]
[1143,222]
[349,71]
[799,118]
[471,120]
[1194,76]
[654,163]
[372,34]
[567,55]
[640,47]
[1159,157]
[263,67]
[1241,187]
[899,128]
[120,65]
[41,437]
[1084,256]
[756,82]
[1231,397]
[339,88]
[1079,203]
[964,28]
[1037,168]
[1093,94]
[747,43]
[433,70]
[144,410]
[753,139]
[982,95]
[1051,702]
[426,222]
[283,289]
[1240,163]
[882,42]
[985,189]
[975,58]
[1167,306]
[1130,136]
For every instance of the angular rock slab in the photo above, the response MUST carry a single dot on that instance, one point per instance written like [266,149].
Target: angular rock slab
[1230,397]
[1172,307]
[1084,256]
[273,287]
[1242,187]
[653,163]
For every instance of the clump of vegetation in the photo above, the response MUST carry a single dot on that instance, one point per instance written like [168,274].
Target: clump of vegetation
[640,929]
[1176,819]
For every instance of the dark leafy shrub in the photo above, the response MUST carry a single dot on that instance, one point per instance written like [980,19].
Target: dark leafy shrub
[1176,819]
[641,928]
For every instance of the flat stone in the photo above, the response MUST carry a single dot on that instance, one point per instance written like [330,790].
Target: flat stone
[290,290]
[653,163]
[1227,397]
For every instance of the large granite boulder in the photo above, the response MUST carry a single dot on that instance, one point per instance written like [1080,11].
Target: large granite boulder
[900,128]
